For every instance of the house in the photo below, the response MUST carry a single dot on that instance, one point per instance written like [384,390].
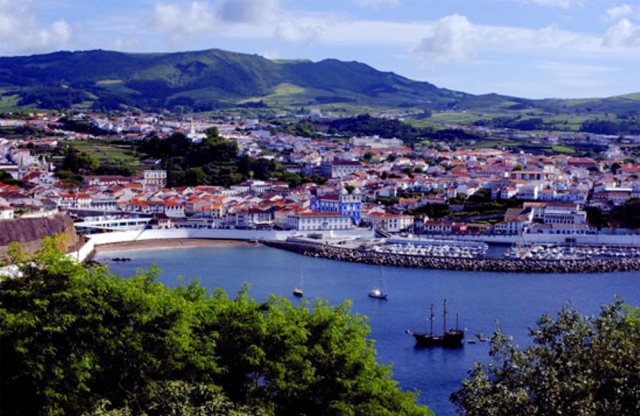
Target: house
[163,220]
[516,221]
[253,217]
[392,223]
[6,212]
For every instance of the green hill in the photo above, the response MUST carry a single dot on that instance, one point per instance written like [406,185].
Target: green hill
[205,80]
[215,79]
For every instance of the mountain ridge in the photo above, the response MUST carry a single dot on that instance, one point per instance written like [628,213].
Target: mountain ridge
[213,79]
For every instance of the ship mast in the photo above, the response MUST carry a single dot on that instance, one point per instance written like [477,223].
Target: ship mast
[431,319]
[444,318]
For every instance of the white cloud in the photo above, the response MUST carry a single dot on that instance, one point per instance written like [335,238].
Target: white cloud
[21,32]
[377,3]
[623,34]
[452,38]
[248,11]
[293,33]
[455,38]
[179,22]
[618,12]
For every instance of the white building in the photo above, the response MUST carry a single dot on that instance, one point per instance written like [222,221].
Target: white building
[154,179]
[319,221]
[341,168]
[392,223]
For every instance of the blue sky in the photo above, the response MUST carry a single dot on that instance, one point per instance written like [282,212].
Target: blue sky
[525,48]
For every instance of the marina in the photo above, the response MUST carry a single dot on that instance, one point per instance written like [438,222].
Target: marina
[434,248]
[571,252]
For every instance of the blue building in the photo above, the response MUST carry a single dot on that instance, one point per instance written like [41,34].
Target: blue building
[344,203]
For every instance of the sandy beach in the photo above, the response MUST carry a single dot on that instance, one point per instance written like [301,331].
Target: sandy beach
[171,243]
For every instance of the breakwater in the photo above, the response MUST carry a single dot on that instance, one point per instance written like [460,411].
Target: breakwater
[461,264]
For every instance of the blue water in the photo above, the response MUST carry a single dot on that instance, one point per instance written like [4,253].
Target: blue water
[482,300]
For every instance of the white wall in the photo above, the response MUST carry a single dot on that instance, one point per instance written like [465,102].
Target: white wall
[214,234]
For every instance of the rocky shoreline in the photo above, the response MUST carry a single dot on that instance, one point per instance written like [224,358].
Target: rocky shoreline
[460,264]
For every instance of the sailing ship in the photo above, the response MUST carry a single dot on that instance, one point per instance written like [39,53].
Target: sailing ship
[449,338]
[379,291]
[297,291]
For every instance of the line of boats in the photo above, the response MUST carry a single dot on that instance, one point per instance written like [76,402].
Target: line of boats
[570,252]
[434,248]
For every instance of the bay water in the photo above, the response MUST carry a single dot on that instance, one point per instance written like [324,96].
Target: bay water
[481,300]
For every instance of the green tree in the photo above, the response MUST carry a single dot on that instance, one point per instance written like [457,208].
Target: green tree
[614,167]
[6,178]
[195,176]
[577,365]
[77,340]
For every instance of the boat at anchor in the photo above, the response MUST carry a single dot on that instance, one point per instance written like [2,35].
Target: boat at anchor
[448,338]
[297,291]
[379,291]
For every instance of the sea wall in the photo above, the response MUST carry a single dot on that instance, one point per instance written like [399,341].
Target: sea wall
[85,252]
[444,263]
[29,232]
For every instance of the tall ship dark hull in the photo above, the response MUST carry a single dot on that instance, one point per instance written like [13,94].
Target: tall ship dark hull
[451,338]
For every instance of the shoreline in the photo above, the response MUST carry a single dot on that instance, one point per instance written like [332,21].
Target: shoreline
[170,243]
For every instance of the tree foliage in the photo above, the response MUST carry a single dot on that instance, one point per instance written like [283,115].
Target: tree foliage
[77,340]
[577,365]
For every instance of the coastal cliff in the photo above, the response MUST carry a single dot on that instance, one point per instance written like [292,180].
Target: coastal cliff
[29,232]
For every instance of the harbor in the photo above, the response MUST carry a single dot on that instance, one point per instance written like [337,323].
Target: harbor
[373,255]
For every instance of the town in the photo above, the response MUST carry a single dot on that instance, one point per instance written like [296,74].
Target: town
[369,183]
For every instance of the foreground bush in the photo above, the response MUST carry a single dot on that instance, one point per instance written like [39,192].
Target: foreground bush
[577,366]
[77,340]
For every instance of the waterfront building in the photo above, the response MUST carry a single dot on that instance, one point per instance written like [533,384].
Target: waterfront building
[319,221]
[392,223]
[344,203]
[556,212]
[516,221]
[253,217]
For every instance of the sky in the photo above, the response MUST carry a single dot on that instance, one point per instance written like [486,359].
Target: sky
[522,48]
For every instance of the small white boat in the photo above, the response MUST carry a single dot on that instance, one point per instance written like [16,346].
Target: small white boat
[379,291]
[297,291]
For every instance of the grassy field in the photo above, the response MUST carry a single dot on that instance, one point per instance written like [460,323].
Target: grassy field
[109,152]
[9,103]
